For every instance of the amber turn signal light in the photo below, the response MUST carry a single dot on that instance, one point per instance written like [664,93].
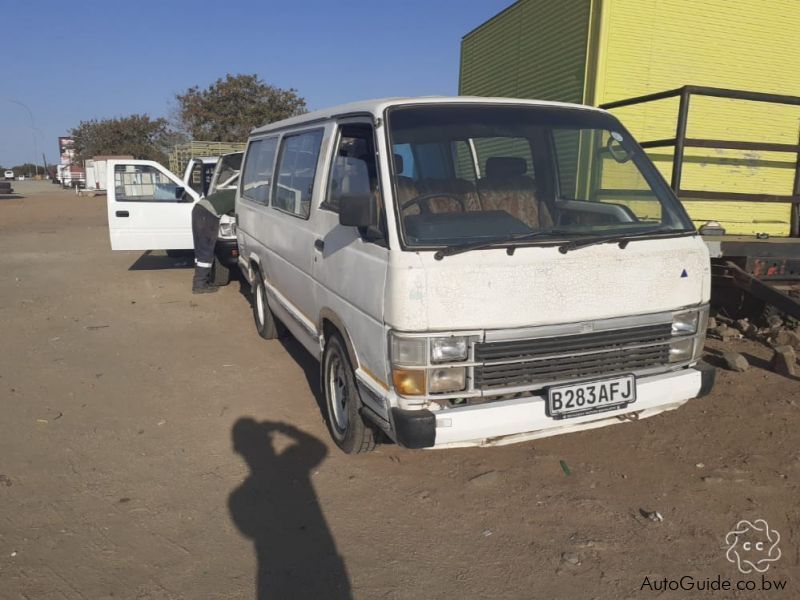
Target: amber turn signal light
[409,382]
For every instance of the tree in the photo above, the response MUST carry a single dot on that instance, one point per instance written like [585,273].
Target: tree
[228,109]
[27,169]
[136,135]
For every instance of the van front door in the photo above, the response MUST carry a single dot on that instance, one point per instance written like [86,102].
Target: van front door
[350,268]
[148,207]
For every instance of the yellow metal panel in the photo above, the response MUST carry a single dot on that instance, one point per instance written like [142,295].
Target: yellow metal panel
[654,45]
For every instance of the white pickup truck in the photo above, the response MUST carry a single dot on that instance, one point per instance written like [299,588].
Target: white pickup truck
[149,207]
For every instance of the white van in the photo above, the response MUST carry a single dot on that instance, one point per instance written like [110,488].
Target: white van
[149,208]
[474,271]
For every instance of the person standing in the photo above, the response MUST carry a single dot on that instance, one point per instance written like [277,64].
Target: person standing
[205,229]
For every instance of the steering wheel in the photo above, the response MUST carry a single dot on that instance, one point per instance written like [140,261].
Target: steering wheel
[426,198]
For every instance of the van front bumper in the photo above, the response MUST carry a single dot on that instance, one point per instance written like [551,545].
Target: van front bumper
[520,419]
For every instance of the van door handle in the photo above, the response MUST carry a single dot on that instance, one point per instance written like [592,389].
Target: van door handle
[319,245]
[123,213]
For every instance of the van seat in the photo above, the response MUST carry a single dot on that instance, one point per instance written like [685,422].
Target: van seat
[459,187]
[507,187]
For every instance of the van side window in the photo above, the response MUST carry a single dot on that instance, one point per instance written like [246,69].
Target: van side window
[257,173]
[143,183]
[354,169]
[297,166]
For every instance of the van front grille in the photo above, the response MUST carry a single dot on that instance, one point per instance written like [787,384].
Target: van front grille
[526,363]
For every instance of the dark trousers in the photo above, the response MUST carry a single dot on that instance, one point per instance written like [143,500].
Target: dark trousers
[205,228]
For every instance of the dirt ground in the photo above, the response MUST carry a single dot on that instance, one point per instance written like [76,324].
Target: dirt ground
[152,446]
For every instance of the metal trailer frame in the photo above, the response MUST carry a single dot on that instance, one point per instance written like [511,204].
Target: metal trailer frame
[764,268]
[183,153]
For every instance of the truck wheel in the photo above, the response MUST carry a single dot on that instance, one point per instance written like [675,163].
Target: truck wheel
[266,323]
[220,274]
[342,401]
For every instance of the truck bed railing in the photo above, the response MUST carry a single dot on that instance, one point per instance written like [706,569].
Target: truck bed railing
[680,142]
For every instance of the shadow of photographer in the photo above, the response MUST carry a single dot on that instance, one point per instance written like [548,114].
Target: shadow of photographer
[277,508]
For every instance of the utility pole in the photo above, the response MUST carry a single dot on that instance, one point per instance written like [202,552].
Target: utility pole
[34,131]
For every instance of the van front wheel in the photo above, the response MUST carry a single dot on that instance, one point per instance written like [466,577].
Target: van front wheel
[342,401]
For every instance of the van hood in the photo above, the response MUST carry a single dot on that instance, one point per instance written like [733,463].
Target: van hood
[488,289]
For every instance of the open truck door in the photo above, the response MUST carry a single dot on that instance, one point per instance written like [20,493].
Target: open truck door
[149,208]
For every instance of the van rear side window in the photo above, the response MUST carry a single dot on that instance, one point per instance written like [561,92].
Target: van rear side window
[297,166]
[257,174]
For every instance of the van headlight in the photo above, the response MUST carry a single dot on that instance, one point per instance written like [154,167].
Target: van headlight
[449,349]
[688,333]
[682,350]
[423,365]
[447,380]
[685,322]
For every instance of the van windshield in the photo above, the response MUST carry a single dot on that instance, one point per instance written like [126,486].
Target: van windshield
[467,173]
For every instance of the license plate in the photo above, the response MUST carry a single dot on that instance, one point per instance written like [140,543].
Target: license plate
[579,399]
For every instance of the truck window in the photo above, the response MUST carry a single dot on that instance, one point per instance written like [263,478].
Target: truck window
[196,177]
[257,175]
[143,183]
[297,166]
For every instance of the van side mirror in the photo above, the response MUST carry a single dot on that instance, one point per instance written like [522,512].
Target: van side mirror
[356,210]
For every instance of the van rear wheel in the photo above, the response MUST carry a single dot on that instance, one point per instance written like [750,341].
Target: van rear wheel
[342,401]
[266,323]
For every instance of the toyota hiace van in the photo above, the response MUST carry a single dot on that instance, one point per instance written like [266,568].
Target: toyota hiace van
[474,271]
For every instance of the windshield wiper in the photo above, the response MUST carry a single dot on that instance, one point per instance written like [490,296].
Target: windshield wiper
[622,238]
[483,244]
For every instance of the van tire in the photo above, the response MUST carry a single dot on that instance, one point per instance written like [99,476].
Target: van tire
[343,406]
[220,274]
[266,323]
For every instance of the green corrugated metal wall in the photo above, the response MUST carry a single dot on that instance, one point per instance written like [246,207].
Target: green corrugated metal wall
[522,54]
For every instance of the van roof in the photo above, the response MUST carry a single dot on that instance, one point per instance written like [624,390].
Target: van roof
[376,108]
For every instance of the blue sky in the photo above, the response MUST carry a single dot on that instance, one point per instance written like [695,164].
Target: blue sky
[96,59]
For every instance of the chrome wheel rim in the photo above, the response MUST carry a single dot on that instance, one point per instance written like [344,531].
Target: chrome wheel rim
[337,392]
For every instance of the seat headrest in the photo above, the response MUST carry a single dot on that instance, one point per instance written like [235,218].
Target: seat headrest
[505,166]
[398,164]
[352,174]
